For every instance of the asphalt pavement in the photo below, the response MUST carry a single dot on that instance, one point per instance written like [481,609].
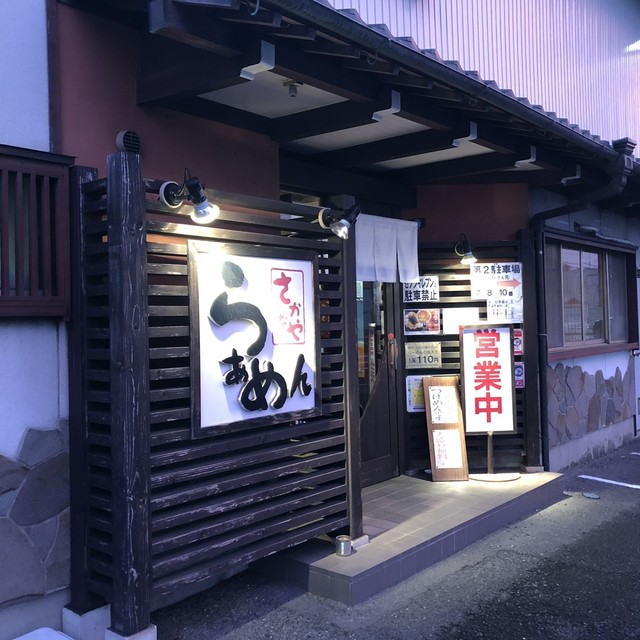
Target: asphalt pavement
[569,572]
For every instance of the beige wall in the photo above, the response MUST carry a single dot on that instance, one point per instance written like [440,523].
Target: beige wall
[97,68]
[482,212]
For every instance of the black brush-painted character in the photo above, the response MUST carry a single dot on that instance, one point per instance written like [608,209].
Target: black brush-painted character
[238,373]
[253,396]
[300,379]
[222,312]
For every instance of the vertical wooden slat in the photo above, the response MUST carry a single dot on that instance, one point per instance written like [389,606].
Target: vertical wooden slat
[33,259]
[48,270]
[352,391]
[19,245]
[129,342]
[58,187]
[4,233]
[81,599]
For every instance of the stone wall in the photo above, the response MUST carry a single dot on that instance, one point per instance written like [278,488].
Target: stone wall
[34,516]
[580,402]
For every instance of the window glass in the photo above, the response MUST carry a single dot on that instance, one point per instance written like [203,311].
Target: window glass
[586,295]
[592,300]
[553,295]
[617,286]
[571,295]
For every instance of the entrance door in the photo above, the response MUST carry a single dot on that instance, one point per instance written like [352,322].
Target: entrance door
[377,362]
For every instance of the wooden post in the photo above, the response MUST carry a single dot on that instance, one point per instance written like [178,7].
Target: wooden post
[352,399]
[81,600]
[129,340]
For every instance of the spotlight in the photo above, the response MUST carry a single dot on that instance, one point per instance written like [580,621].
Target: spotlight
[339,225]
[464,250]
[174,195]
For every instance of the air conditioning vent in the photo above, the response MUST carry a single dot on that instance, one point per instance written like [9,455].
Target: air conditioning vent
[128,141]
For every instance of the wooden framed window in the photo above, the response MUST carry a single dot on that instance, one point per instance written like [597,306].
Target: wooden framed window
[34,233]
[590,296]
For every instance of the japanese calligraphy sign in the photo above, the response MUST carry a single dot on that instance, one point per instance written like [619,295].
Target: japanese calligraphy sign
[487,374]
[254,335]
[426,289]
[500,284]
[447,448]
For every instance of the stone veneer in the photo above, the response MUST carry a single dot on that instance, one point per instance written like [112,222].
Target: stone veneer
[580,402]
[34,517]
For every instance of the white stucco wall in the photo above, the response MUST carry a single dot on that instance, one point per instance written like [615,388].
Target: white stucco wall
[24,92]
[605,362]
[33,379]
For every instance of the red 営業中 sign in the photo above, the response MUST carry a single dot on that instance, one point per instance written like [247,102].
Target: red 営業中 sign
[487,378]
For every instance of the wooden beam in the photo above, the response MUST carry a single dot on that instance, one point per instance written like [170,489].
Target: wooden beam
[297,173]
[390,149]
[203,108]
[169,71]
[324,74]
[335,117]
[178,22]
[469,166]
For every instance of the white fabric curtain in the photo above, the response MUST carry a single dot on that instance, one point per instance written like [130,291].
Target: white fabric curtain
[384,247]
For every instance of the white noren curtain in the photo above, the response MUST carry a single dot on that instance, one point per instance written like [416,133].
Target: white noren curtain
[382,244]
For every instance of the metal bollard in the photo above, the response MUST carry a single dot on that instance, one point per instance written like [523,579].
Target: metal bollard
[343,545]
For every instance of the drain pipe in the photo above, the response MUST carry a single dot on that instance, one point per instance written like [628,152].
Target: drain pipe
[619,170]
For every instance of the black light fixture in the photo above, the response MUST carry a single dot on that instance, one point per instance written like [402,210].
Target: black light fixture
[339,225]
[464,250]
[174,195]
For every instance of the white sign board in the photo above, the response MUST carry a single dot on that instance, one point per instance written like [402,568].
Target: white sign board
[500,284]
[254,344]
[426,289]
[487,375]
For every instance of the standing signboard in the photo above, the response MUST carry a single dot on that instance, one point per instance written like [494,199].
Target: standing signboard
[487,375]
[447,448]
[488,387]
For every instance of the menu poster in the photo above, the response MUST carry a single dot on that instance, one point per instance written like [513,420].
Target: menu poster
[421,322]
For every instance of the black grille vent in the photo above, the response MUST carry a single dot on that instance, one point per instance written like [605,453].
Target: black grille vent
[128,141]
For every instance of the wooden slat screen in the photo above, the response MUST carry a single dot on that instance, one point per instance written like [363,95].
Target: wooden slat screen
[219,502]
[34,242]
[509,449]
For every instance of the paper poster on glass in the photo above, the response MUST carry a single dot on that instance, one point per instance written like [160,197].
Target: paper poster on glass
[500,284]
[444,404]
[425,289]
[421,321]
[254,335]
[415,394]
[447,452]
[455,317]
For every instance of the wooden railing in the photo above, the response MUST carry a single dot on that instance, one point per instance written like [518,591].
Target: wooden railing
[34,233]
